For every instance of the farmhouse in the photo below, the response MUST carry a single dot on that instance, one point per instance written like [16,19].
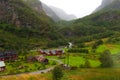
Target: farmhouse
[42,59]
[2,66]
[51,52]
[8,55]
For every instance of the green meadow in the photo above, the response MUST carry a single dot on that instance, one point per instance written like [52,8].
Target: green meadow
[114,48]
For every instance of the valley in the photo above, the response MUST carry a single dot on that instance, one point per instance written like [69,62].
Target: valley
[34,37]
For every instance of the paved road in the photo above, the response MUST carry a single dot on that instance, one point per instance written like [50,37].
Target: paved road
[39,72]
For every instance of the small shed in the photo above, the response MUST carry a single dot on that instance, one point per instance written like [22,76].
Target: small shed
[2,66]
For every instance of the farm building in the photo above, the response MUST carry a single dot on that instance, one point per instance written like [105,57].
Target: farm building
[42,59]
[8,55]
[2,66]
[51,52]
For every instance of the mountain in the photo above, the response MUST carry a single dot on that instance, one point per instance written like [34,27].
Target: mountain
[57,14]
[109,4]
[20,14]
[25,25]
[50,12]
[104,23]
[62,14]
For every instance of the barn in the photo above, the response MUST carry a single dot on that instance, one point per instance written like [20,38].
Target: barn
[42,59]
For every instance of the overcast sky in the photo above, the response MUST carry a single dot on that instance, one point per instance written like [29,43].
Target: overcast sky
[79,8]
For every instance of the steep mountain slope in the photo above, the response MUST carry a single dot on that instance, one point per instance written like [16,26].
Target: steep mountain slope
[57,14]
[50,12]
[62,14]
[24,24]
[18,13]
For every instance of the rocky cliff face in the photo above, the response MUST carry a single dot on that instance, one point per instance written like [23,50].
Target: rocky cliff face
[35,4]
[8,13]
[26,13]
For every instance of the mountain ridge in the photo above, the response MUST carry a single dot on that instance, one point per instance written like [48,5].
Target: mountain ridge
[108,4]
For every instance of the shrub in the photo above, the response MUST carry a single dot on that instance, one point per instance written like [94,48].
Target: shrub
[53,63]
[78,50]
[57,73]
[97,43]
[87,64]
[105,59]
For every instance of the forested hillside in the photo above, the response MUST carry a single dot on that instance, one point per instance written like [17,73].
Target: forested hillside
[24,26]
[25,22]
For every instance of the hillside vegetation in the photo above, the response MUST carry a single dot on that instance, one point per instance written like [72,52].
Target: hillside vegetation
[25,25]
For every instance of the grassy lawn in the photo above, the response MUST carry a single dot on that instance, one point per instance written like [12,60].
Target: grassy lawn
[114,48]
[77,61]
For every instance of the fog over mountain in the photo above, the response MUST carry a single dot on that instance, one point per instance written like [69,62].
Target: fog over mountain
[109,4]
[62,14]
[50,12]
[56,13]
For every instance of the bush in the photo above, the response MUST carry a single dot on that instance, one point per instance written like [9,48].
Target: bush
[53,63]
[87,64]
[78,50]
[97,43]
[57,73]
[105,59]
[82,66]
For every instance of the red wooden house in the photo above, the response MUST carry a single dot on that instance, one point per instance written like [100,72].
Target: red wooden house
[8,55]
[51,52]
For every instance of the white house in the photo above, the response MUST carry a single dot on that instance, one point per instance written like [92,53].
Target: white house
[2,66]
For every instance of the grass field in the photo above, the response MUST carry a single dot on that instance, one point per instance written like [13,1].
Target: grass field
[114,48]
[77,61]
[78,74]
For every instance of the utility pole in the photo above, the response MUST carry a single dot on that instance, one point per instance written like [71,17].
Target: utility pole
[69,47]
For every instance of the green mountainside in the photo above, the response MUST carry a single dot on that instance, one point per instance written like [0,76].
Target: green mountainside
[104,23]
[24,26]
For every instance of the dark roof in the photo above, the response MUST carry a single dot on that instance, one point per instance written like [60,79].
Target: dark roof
[9,52]
[2,54]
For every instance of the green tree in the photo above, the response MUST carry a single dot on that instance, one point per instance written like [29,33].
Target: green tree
[97,43]
[57,73]
[87,64]
[105,59]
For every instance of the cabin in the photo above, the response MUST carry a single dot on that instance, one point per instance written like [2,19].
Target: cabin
[2,66]
[8,56]
[51,52]
[42,59]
